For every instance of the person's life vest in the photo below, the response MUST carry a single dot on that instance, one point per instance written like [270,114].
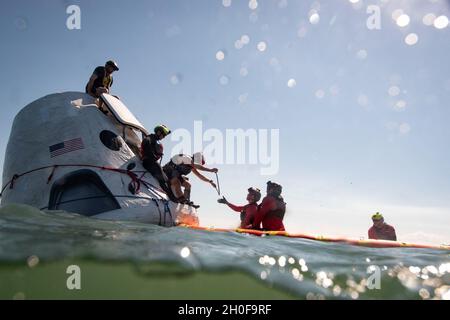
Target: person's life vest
[244,211]
[102,80]
[386,232]
[280,209]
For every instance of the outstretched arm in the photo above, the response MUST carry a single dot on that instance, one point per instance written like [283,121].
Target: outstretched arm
[235,207]
[203,168]
[230,205]
[202,177]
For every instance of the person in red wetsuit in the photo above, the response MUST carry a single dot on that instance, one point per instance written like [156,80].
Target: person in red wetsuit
[381,230]
[249,210]
[271,210]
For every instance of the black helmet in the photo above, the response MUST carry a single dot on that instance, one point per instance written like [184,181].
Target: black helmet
[112,64]
[276,188]
[256,192]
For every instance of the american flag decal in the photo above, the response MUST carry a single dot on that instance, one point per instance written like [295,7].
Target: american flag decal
[65,147]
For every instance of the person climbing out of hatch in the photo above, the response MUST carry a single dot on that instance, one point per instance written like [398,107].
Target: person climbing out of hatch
[247,211]
[101,79]
[271,210]
[151,155]
[380,230]
[177,170]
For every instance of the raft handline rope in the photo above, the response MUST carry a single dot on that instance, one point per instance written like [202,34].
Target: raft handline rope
[165,202]
[131,174]
[135,180]
[159,210]
[103,196]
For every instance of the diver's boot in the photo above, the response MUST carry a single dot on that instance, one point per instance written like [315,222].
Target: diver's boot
[196,206]
[187,194]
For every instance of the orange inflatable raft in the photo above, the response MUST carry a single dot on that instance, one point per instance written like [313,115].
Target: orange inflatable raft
[355,242]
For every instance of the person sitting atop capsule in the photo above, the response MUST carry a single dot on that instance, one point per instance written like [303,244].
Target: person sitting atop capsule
[271,210]
[151,155]
[380,230]
[101,79]
[177,170]
[248,211]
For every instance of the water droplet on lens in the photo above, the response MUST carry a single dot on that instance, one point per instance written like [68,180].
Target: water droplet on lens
[411,39]
[403,20]
[224,80]
[262,46]
[291,83]
[314,18]
[220,55]
[253,4]
[226,3]
[441,22]
[185,252]
[21,24]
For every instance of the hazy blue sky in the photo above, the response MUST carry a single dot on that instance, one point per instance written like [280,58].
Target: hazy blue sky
[365,128]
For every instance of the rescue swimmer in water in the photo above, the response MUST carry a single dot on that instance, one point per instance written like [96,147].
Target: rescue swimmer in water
[380,230]
[271,211]
[247,211]
[268,215]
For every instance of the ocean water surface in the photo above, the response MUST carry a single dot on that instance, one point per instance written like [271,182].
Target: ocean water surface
[138,261]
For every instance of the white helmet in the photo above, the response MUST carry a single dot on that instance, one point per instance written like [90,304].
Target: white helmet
[198,158]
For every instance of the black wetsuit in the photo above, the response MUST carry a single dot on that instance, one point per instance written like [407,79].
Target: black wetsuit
[179,171]
[152,152]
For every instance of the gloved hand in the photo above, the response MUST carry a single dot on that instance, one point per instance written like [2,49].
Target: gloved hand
[222,200]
